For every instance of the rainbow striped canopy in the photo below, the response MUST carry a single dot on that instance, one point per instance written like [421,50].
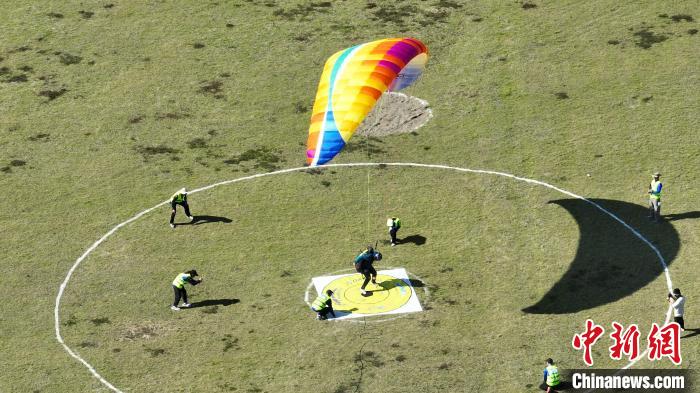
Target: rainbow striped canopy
[351,83]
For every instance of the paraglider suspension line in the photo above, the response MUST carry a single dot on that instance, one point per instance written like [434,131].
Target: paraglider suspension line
[368,202]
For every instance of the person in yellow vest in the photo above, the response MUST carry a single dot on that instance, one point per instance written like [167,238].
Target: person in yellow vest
[655,198]
[551,376]
[323,305]
[179,198]
[394,225]
[179,287]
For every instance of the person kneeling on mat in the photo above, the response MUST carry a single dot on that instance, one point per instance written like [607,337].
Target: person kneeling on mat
[323,305]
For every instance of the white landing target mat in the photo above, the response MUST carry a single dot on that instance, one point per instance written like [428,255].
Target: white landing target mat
[393,294]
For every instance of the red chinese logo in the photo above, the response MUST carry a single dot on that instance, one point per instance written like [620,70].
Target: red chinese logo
[626,343]
[586,340]
[665,342]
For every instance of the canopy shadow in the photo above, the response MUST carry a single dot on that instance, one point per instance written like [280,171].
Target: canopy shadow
[611,262]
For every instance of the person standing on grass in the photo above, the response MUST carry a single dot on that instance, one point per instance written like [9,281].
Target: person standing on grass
[677,301]
[323,305]
[655,197]
[551,376]
[363,265]
[394,225]
[179,198]
[179,288]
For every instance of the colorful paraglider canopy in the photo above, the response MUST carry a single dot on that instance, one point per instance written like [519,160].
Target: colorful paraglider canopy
[351,83]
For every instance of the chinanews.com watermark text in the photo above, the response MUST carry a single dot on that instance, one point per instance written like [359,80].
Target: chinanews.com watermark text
[640,380]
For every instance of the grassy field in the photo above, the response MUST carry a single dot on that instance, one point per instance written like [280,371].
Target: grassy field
[107,107]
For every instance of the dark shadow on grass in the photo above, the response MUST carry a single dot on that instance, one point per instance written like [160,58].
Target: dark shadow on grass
[693,332]
[681,216]
[611,262]
[215,302]
[563,386]
[198,220]
[418,240]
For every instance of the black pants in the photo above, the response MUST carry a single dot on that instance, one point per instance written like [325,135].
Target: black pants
[179,292]
[183,204]
[323,314]
[369,273]
[680,321]
[392,233]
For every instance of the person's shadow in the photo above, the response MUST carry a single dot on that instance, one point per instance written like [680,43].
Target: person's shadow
[387,285]
[198,220]
[418,240]
[215,302]
[695,332]
[563,385]
[397,282]
[342,313]
[680,216]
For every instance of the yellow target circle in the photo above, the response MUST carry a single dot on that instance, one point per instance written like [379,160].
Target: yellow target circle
[389,294]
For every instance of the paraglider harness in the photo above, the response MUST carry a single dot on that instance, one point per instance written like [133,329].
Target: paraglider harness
[363,262]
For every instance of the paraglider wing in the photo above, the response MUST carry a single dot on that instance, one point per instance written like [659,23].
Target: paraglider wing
[351,83]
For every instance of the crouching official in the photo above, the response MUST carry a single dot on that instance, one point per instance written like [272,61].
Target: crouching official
[323,305]
[179,288]
[551,376]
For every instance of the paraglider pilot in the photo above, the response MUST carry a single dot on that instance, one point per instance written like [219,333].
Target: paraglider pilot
[363,265]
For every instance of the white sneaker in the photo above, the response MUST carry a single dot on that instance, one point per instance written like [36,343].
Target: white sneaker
[186,305]
[362,291]
[172,226]
[191,218]
[175,308]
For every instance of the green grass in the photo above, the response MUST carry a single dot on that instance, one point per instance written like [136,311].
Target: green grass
[105,111]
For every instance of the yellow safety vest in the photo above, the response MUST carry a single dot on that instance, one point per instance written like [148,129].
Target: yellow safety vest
[179,281]
[655,186]
[552,376]
[320,302]
[178,197]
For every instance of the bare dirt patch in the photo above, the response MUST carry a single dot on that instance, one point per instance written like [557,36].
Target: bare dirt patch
[395,113]
[144,331]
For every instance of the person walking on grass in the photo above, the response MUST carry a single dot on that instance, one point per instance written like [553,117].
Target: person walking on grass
[179,198]
[655,197]
[394,225]
[363,265]
[179,288]
[551,376]
[323,305]
[677,301]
